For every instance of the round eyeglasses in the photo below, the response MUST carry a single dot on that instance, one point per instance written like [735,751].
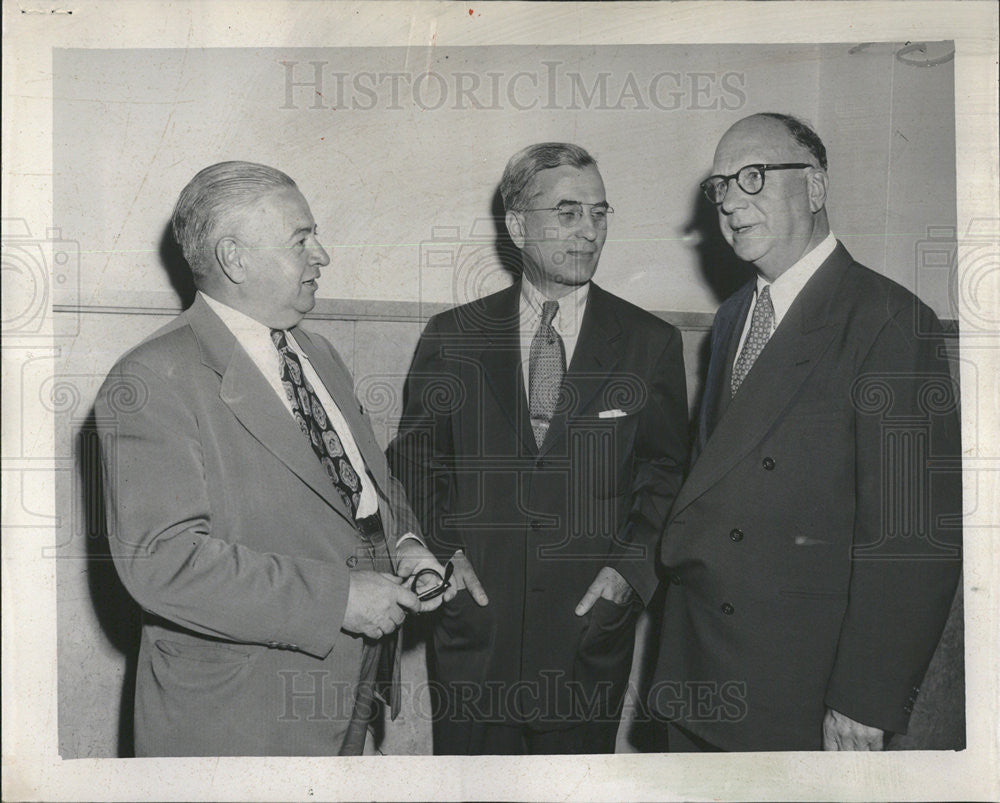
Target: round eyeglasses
[749,178]
[571,212]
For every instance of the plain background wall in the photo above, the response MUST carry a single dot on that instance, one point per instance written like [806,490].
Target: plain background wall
[133,126]
[405,197]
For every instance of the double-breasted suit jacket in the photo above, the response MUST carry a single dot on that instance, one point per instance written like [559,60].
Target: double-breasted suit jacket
[536,523]
[814,549]
[225,528]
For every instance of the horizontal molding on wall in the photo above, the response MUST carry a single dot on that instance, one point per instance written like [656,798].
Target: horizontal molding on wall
[341,309]
[327,309]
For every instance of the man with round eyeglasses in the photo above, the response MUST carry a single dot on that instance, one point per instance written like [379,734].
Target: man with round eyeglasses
[542,440]
[812,554]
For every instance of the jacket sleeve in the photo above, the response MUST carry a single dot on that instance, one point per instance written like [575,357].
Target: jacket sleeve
[661,453]
[168,545]
[907,532]
[422,454]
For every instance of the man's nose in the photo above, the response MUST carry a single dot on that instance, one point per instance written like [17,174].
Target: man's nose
[587,227]
[319,256]
[734,198]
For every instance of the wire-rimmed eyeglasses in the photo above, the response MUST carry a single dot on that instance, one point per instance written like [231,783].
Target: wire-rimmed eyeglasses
[749,178]
[571,212]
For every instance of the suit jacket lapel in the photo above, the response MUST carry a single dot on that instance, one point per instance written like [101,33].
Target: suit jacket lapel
[253,401]
[500,360]
[785,363]
[594,359]
[715,399]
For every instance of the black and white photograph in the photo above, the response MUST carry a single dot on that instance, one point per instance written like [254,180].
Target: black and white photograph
[500,401]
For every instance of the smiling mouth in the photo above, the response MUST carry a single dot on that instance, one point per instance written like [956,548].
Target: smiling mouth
[741,229]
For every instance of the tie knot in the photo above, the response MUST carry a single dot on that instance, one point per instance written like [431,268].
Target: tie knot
[765,297]
[279,339]
[549,310]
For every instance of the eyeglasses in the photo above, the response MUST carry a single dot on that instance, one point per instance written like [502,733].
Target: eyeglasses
[571,212]
[750,179]
[428,583]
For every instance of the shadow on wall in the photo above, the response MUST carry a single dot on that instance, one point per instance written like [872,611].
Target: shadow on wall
[176,267]
[118,614]
[508,253]
[720,269]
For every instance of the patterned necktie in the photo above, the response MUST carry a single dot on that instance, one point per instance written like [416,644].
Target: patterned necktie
[546,368]
[316,426]
[757,337]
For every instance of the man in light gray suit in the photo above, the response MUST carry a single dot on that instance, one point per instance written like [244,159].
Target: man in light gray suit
[250,511]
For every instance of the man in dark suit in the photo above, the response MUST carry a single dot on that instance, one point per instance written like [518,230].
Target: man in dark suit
[542,442]
[250,511]
[814,549]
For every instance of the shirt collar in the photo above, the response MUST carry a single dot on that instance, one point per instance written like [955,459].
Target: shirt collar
[247,331]
[787,286]
[571,308]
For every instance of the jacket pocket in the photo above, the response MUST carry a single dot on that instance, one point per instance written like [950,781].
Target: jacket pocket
[210,653]
[811,593]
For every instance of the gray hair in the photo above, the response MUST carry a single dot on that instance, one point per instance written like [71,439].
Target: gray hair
[211,195]
[528,162]
[802,133]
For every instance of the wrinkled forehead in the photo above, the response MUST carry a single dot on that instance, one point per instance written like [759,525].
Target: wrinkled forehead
[567,183]
[756,141]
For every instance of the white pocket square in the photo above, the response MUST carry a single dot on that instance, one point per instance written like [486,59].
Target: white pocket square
[616,413]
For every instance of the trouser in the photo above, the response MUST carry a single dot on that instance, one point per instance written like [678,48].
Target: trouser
[681,740]
[378,660]
[475,738]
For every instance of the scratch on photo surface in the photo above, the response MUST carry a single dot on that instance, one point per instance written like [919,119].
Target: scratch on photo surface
[431,42]
[163,134]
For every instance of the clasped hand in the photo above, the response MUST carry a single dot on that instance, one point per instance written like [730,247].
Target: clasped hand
[378,602]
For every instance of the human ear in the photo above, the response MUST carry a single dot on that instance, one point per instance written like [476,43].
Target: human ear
[817,183]
[515,228]
[230,258]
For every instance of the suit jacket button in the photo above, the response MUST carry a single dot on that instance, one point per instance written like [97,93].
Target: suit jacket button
[540,464]
[352,561]
[768,464]
[736,534]
[536,524]
[675,579]
[728,609]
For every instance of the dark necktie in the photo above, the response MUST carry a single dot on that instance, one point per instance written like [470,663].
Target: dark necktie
[546,369]
[379,668]
[316,426]
[757,337]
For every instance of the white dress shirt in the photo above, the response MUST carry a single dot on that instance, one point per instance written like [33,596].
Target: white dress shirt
[567,321]
[786,288]
[255,339]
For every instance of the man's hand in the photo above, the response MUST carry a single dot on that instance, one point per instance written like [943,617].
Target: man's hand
[608,584]
[377,604]
[465,577]
[413,557]
[843,733]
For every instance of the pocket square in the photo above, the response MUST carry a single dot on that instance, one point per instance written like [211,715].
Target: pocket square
[616,413]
